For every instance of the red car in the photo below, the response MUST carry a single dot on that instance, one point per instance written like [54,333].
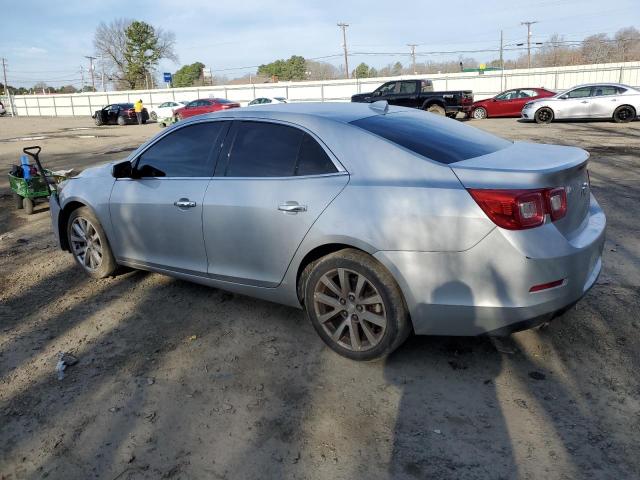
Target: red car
[506,104]
[204,105]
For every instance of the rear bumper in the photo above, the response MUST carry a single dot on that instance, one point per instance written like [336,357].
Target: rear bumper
[485,290]
[54,209]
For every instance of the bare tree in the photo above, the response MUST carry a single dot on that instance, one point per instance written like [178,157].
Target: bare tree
[111,43]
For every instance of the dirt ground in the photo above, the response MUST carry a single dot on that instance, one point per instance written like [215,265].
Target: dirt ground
[176,380]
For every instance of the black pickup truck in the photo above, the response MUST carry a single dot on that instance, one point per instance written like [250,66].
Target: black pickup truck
[418,94]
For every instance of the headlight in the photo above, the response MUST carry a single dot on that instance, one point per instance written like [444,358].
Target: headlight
[527,105]
[61,185]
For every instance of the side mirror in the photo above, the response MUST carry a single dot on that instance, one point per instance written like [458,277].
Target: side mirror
[563,97]
[377,93]
[122,170]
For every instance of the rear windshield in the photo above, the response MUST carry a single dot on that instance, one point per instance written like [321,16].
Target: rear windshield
[436,138]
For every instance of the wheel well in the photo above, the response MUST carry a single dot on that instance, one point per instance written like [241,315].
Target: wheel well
[63,218]
[428,103]
[625,105]
[314,255]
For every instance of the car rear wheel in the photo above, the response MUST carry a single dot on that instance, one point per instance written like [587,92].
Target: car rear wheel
[355,305]
[624,114]
[121,121]
[544,115]
[479,113]
[154,116]
[89,245]
[437,109]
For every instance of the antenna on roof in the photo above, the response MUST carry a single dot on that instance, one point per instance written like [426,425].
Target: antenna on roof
[381,106]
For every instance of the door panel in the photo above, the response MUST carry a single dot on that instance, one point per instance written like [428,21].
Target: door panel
[576,104]
[157,216]
[248,238]
[150,229]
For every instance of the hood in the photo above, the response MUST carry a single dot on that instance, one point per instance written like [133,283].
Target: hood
[103,170]
[361,97]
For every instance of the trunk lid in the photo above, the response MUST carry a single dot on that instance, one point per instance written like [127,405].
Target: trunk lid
[531,166]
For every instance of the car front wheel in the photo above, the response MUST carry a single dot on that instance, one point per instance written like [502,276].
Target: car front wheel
[89,245]
[479,113]
[154,116]
[355,305]
[544,115]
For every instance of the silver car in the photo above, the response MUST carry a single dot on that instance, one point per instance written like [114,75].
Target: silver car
[379,221]
[616,101]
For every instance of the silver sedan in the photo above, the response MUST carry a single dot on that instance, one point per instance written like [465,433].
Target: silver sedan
[379,221]
[615,101]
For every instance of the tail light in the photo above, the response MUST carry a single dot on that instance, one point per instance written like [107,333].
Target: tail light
[521,209]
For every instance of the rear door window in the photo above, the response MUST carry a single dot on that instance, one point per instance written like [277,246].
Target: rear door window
[437,139]
[186,152]
[262,149]
[601,90]
[408,88]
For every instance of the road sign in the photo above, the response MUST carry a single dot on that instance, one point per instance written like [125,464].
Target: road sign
[167,77]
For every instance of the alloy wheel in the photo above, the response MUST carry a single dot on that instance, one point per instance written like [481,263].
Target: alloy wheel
[350,309]
[479,113]
[86,244]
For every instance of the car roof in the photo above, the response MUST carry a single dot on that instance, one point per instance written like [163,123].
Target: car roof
[601,84]
[337,111]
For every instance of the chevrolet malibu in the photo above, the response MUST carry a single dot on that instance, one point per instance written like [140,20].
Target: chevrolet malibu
[618,102]
[378,221]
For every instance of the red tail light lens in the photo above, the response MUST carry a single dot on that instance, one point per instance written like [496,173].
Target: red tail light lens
[521,209]
[557,203]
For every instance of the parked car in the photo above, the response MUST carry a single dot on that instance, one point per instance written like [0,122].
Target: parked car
[118,113]
[419,94]
[378,221]
[204,105]
[266,100]
[2,109]
[506,104]
[616,101]
[165,110]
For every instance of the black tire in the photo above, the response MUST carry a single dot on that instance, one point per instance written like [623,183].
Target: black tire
[435,108]
[380,281]
[543,115]
[17,200]
[108,265]
[154,116]
[121,121]
[28,205]
[624,114]
[98,120]
[479,113]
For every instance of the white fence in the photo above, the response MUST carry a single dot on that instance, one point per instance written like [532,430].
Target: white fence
[483,86]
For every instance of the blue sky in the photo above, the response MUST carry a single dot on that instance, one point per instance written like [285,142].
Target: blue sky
[43,41]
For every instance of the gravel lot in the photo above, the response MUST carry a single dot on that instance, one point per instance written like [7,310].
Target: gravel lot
[176,380]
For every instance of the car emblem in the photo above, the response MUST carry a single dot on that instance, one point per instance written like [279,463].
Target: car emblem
[585,186]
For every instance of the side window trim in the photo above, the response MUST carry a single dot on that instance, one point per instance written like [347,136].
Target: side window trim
[222,164]
[222,136]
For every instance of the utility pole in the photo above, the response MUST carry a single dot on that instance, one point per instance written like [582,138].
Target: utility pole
[82,77]
[413,56]
[344,45]
[91,59]
[102,68]
[528,24]
[6,85]
[501,61]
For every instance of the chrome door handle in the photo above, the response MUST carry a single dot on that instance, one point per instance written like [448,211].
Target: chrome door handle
[184,203]
[292,207]
[584,101]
